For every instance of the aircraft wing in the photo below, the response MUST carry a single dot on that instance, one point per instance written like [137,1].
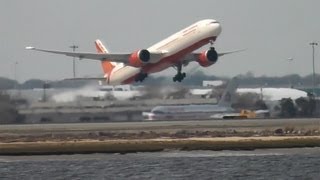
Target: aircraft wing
[230,52]
[194,56]
[81,55]
[114,57]
[86,79]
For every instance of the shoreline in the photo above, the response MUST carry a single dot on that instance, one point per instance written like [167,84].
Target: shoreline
[85,146]
[130,137]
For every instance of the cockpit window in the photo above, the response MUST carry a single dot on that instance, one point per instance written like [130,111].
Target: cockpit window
[214,22]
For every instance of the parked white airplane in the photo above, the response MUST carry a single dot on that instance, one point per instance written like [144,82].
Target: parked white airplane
[274,94]
[174,51]
[196,111]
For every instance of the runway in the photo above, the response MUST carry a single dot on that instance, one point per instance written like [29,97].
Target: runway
[164,126]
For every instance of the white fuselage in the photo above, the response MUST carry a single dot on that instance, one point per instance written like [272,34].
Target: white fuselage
[175,47]
[183,112]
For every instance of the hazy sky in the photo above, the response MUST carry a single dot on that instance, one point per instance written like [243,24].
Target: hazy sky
[271,30]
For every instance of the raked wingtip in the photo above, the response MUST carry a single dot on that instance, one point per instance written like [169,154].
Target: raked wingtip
[30,48]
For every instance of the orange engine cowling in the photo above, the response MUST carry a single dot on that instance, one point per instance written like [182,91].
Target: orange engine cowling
[207,58]
[139,58]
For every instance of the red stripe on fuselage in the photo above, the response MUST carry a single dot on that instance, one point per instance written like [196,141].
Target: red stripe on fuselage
[170,60]
[161,47]
[191,28]
[175,58]
[189,32]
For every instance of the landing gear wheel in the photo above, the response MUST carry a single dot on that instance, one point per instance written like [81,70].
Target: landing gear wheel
[174,79]
[179,77]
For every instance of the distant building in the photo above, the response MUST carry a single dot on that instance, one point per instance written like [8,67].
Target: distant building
[212,83]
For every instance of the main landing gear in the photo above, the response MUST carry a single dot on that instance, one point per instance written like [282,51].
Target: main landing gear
[141,76]
[179,76]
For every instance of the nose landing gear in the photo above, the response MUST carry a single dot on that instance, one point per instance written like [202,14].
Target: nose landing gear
[141,76]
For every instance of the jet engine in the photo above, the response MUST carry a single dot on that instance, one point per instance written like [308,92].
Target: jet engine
[207,58]
[139,58]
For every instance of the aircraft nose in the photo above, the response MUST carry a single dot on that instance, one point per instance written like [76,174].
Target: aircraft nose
[216,28]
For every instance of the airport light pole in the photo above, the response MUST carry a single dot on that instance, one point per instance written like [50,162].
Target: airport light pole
[313,69]
[74,47]
[15,71]
[290,68]
[15,77]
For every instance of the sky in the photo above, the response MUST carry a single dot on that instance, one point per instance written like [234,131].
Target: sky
[272,32]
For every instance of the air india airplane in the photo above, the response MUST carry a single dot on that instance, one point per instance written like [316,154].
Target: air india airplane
[174,51]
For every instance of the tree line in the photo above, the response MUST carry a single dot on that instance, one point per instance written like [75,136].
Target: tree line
[247,80]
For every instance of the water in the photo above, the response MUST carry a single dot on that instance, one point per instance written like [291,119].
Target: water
[297,163]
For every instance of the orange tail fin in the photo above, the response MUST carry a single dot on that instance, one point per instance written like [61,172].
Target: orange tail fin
[107,66]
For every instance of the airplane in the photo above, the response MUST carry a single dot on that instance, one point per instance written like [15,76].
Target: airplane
[174,51]
[201,111]
[275,94]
